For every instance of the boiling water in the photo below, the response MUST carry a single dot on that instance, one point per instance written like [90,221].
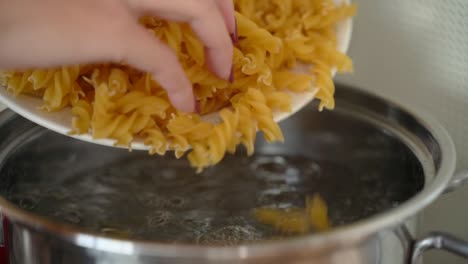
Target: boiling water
[357,166]
[132,195]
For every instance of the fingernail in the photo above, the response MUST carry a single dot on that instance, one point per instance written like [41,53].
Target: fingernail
[231,76]
[235,35]
[197,107]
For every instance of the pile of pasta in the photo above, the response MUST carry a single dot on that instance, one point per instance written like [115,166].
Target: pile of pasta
[116,101]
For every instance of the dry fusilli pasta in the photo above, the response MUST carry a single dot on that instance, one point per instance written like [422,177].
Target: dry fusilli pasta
[121,103]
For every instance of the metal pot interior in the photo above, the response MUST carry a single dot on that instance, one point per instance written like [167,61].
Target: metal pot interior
[360,158]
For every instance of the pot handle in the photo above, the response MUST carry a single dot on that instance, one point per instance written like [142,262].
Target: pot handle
[441,241]
[459,179]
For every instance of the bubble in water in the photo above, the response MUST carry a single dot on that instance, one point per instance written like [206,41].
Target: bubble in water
[237,220]
[273,196]
[230,235]
[176,202]
[196,226]
[269,164]
[275,169]
[151,199]
[292,175]
[272,169]
[312,169]
[106,201]
[69,215]
[278,190]
[95,214]
[158,218]
[27,202]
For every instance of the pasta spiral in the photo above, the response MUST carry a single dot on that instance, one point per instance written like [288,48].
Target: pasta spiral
[107,123]
[263,115]
[314,217]
[247,128]
[223,137]
[82,112]
[116,101]
[156,140]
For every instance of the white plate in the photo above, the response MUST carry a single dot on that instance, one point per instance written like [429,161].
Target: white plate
[60,122]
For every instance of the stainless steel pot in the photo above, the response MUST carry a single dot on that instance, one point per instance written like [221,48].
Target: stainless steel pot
[385,237]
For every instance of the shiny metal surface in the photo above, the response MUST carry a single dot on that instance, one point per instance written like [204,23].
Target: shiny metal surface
[459,180]
[441,241]
[382,238]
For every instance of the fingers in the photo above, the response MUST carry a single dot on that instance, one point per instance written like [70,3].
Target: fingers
[207,19]
[227,9]
[140,49]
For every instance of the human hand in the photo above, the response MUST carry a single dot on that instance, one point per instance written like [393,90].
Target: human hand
[50,33]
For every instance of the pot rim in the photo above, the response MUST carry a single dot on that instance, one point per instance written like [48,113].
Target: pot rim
[340,236]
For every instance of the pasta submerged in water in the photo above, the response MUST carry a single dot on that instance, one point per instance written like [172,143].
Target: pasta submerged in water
[121,103]
[314,217]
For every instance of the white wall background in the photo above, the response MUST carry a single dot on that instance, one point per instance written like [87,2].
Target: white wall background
[416,52]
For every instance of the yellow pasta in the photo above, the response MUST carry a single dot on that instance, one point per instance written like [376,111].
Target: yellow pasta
[247,128]
[314,217]
[19,83]
[59,89]
[223,136]
[199,155]
[278,101]
[156,139]
[263,115]
[107,122]
[118,102]
[179,144]
[82,112]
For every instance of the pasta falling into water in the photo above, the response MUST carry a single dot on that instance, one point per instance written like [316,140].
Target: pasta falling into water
[314,217]
[120,103]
